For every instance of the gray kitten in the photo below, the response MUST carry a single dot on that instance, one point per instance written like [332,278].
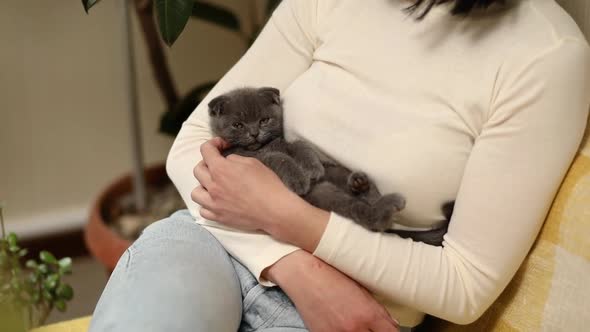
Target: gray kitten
[251,121]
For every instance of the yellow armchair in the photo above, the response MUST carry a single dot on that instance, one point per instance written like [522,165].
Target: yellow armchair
[76,325]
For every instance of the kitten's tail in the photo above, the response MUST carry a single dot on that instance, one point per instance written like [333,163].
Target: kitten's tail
[433,237]
[447,210]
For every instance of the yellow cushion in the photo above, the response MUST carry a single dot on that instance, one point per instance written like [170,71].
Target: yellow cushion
[76,325]
[551,290]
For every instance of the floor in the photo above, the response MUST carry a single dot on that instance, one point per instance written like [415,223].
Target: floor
[88,279]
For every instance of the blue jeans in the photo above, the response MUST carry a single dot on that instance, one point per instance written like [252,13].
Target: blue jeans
[177,277]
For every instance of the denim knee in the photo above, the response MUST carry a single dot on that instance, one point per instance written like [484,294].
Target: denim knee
[180,225]
[176,277]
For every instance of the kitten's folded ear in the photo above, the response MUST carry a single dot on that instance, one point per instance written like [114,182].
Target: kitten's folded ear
[216,105]
[274,95]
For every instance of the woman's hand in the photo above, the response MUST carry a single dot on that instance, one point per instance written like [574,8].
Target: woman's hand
[326,299]
[243,193]
[237,191]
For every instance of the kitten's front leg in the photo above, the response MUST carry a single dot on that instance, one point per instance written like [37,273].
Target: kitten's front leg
[306,156]
[288,171]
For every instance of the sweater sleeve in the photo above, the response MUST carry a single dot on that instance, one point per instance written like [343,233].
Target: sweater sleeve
[281,53]
[535,123]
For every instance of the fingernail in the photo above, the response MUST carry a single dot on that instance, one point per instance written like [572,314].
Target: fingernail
[396,323]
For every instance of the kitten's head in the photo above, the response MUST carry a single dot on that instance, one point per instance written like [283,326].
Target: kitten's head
[247,117]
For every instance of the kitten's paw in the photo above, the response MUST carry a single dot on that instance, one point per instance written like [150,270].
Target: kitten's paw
[299,185]
[386,209]
[316,171]
[358,183]
[397,201]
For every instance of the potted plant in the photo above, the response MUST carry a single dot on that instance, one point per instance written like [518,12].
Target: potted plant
[131,202]
[30,291]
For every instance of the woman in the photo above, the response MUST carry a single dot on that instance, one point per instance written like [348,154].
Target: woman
[488,109]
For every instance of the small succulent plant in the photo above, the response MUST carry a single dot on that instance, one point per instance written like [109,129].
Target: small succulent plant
[30,291]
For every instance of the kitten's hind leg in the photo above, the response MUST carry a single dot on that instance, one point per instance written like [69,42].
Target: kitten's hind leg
[345,179]
[359,184]
[330,197]
[288,171]
[385,210]
[377,217]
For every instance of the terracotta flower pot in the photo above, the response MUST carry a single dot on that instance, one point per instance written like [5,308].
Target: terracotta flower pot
[105,244]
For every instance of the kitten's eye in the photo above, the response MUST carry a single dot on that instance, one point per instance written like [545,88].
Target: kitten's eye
[237,125]
[264,121]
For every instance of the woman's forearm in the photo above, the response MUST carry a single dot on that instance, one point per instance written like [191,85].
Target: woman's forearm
[301,225]
[280,272]
[326,299]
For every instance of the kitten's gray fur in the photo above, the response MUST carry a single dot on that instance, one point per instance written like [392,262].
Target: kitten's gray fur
[251,120]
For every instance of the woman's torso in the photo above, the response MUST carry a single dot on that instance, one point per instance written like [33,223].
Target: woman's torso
[404,101]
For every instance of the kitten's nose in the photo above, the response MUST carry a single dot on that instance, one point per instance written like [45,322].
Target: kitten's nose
[254,133]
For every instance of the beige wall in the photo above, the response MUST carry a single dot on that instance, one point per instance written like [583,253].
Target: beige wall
[63,125]
[580,11]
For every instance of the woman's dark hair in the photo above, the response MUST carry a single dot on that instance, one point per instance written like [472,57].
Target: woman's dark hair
[459,7]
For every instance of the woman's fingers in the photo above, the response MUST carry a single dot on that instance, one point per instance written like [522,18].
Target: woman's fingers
[202,174]
[208,214]
[211,152]
[219,143]
[201,196]
[241,159]
[235,158]
[383,322]
[384,325]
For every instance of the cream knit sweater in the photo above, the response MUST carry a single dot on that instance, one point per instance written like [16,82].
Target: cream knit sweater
[488,110]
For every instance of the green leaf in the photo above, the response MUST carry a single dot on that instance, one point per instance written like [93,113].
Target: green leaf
[65,265]
[216,15]
[51,282]
[47,295]
[61,305]
[33,277]
[31,264]
[88,4]
[42,269]
[271,5]
[172,120]
[12,240]
[65,292]
[14,249]
[47,257]
[23,252]
[172,17]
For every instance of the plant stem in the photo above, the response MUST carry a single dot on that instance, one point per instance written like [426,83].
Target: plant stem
[45,310]
[2,222]
[160,68]
[254,20]
[139,184]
